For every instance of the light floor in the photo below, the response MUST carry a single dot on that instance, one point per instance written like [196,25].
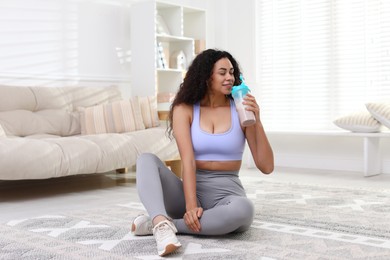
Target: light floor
[25,199]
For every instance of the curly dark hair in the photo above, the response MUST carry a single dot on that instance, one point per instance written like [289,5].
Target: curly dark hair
[194,86]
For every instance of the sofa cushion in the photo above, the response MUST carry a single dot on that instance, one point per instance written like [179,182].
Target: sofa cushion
[21,158]
[47,156]
[52,98]
[62,156]
[115,117]
[115,151]
[48,110]
[49,121]
[148,106]
[34,98]
[13,98]
[155,140]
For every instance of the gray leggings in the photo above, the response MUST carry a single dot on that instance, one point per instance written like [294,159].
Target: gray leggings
[220,194]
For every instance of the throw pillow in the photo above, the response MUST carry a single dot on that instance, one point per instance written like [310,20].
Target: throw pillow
[116,117]
[380,111]
[149,112]
[2,133]
[362,122]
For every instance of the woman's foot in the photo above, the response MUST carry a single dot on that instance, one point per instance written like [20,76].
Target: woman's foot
[142,226]
[165,234]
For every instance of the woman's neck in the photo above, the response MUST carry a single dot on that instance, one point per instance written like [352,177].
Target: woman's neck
[212,100]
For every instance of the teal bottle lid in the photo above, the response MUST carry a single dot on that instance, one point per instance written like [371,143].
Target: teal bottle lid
[242,87]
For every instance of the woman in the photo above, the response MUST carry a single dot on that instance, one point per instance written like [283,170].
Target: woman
[210,199]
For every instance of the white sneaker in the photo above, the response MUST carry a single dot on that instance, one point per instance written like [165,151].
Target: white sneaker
[165,235]
[142,226]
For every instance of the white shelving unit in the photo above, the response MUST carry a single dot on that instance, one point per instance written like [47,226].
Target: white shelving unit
[177,30]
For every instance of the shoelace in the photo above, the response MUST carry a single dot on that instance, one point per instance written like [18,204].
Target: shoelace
[163,230]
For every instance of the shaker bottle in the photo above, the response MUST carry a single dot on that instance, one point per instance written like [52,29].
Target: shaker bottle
[247,118]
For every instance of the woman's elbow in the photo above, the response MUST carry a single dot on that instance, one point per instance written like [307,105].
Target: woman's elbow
[267,170]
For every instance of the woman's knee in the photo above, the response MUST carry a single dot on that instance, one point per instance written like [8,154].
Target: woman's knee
[243,210]
[146,162]
[146,158]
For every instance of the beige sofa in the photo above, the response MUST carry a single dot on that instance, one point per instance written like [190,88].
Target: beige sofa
[40,134]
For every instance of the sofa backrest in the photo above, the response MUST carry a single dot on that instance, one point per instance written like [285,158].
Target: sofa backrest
[49,110]
[89,96]
[24,98]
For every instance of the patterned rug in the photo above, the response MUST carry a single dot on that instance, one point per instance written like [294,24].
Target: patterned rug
[292,222]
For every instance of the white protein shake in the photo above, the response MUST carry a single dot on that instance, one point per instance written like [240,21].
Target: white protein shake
[247,118]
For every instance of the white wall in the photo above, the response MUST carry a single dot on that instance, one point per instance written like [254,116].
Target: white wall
[65,42]
[61,42]
[234,23]
[234,32]
[70,42]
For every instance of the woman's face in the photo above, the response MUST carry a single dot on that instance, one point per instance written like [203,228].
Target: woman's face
[222,77]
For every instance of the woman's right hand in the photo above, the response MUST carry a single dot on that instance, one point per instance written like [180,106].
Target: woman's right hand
[191,218]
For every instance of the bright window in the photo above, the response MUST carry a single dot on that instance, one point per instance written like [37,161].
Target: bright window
[318,59]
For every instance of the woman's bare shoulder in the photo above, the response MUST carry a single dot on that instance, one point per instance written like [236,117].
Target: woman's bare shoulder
[183,111]
[183,108]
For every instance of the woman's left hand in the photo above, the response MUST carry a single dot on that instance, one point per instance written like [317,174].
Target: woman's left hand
[191,218]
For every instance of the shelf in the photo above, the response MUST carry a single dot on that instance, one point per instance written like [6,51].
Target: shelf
[170,70]
[165,38]
[171,38]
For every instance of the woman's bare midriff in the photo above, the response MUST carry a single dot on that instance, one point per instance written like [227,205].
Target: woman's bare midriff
[218,165]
